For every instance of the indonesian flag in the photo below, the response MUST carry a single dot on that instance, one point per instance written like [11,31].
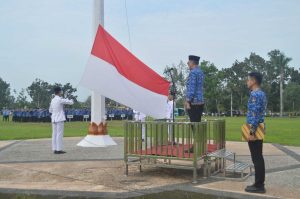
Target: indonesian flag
[114,72]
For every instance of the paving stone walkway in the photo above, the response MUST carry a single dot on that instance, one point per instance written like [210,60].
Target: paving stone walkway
[29,167]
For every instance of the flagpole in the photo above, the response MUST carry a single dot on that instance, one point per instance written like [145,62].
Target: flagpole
[97,100]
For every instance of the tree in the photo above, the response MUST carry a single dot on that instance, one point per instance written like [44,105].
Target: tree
[6,100]
[292,97]
[21,101]
[234,79]
[180,73]
[87,102]
[280,62]
[212,86]
[294,76]
[67,89]
[40,93]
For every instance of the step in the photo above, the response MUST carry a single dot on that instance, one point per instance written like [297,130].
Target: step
[238,167]
[222,153]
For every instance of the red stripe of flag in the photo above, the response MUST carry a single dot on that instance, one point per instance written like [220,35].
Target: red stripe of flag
[110,50]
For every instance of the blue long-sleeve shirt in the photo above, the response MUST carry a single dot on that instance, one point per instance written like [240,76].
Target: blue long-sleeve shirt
[194,86]
[256,108]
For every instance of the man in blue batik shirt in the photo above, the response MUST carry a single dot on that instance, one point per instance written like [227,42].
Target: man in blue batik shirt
[255,115]
[194,101]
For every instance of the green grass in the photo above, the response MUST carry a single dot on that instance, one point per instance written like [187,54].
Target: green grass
[17,131]
[284,131]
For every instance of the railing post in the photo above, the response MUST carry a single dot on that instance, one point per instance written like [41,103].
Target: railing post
[126,148]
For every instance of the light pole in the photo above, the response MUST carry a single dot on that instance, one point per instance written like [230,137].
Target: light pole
[97,100]
[231,102]
[281,91]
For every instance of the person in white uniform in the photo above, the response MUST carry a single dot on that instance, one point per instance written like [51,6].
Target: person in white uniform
[169,114]
[141,117]
[58,118]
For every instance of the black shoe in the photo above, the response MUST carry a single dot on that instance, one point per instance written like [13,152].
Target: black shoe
[249,186]
[255,189]
[54,152]
[59,152]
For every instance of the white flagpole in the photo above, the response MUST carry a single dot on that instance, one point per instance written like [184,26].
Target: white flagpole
[97,100]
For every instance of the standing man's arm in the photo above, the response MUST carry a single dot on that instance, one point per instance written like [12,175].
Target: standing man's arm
[67,101]
[256,104]
[190,90]
[50,108]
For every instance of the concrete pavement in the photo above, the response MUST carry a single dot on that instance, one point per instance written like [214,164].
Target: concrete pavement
[29,167]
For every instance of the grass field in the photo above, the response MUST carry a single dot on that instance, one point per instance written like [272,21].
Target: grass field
[284,131]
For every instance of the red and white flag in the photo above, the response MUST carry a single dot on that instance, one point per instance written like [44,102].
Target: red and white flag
[114,72]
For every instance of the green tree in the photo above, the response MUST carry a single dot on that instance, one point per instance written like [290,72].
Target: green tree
[6,100]
[87,102]
[234,79]
[292,97]
[294,76]
[180,73]
[40,93]
[212,87]
[21,101]
[280,62]
[68,90]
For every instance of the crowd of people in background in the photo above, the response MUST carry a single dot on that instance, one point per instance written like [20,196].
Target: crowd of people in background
[43,115]
[5,114]
[119,114]
[32,115]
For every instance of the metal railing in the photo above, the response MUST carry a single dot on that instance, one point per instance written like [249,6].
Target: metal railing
[183,141]
[216,133]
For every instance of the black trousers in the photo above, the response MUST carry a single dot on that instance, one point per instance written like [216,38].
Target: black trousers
[195,113]
[256,148]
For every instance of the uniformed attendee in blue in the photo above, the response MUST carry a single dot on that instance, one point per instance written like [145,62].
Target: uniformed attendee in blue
[194,101]
[255,115]
[5,115]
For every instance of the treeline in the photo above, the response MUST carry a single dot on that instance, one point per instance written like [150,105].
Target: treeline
[39,93]
[222,85]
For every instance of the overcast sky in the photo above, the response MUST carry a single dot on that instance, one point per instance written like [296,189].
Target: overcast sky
[51,39]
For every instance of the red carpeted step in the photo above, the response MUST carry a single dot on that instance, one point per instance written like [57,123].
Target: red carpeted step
[211,148]
[174,151]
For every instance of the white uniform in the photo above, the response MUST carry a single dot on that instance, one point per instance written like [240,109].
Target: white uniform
[141,117]
[57,118]
[169,116]
[169,113]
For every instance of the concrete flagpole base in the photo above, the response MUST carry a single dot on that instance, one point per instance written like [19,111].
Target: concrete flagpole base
[97,141]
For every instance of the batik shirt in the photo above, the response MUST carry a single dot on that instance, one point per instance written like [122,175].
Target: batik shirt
[194,86]
[256,108]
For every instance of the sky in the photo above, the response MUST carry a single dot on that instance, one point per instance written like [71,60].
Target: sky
[51,39]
